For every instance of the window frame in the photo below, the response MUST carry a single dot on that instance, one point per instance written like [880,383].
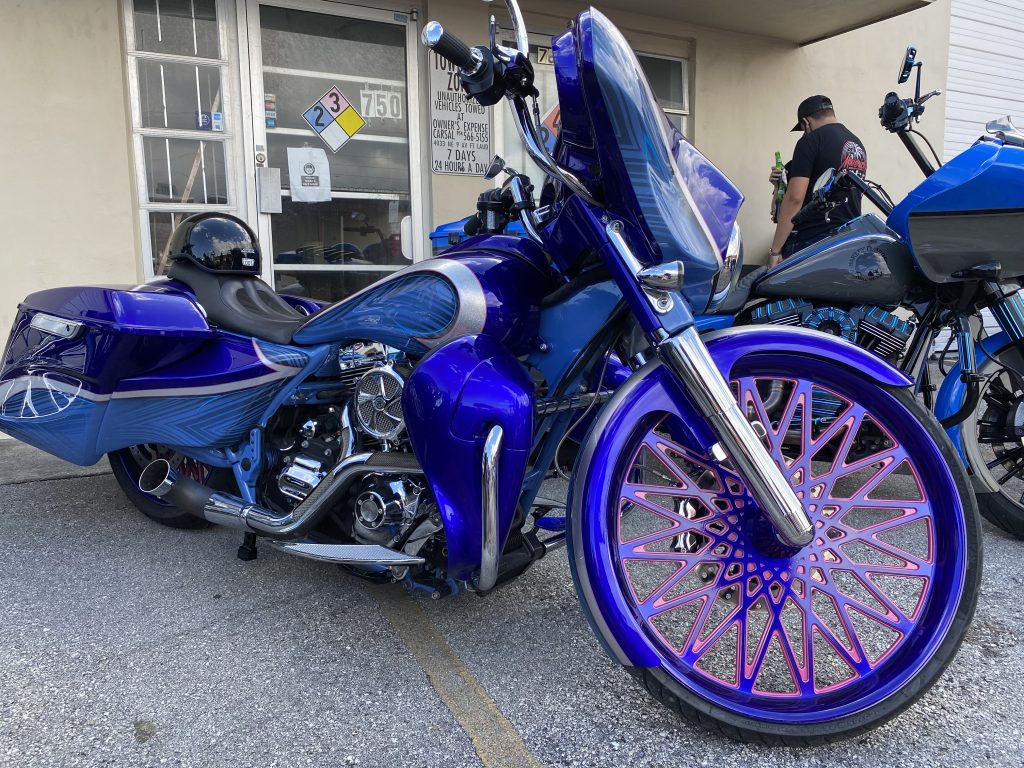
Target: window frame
[687,111]
[230,139]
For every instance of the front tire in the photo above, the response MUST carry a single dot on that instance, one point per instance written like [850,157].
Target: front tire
[677,568]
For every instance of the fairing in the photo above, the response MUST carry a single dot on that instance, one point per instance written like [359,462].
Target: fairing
[450,401]
[970,211]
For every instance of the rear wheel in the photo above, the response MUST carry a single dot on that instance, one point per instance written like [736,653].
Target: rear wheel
[750,639]
[128,463]
[993,440]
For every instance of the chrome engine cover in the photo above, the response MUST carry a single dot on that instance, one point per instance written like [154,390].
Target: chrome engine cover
[384,506]
[298,479]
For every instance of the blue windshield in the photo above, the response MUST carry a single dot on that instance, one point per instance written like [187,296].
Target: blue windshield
[650,174]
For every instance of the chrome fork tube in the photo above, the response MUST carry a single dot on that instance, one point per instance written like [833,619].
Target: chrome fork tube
[687,356]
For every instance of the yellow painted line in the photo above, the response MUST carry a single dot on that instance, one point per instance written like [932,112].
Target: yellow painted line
[495,739]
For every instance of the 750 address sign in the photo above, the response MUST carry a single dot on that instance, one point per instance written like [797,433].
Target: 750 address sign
[383,105]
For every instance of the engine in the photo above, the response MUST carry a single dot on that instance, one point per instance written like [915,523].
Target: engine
[873,328]
[365,416]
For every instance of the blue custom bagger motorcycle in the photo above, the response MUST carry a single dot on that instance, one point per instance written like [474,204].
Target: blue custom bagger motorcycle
[761,575]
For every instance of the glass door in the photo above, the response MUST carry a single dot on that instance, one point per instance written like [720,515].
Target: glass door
[335,144]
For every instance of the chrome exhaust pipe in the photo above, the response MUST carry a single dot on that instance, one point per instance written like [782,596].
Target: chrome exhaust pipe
[159,479]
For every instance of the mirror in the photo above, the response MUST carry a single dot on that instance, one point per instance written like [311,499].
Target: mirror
[824,182]
[497,166]
[908,64]
[1002,125]
[518,26]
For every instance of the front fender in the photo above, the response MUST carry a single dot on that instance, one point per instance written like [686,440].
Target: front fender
[451,400]
[952,391]
[731,344]
[653,388]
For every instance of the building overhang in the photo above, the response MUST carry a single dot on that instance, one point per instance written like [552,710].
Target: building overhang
[795,21]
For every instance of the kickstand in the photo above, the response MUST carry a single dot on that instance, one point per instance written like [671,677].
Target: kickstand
[247,551]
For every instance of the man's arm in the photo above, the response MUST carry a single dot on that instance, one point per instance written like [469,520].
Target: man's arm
[791,205]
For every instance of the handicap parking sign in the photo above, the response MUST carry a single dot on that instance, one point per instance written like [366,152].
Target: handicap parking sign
[334,119]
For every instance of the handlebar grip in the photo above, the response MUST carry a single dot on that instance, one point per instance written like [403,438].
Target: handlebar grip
[892,108]
[816,205]
[448,46]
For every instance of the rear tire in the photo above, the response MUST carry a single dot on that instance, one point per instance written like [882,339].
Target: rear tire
[679,579]
[128,463]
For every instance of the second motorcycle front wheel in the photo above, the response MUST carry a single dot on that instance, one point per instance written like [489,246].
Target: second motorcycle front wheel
[993,440]
[683,579]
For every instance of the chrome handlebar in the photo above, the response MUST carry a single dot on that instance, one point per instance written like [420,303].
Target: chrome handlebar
[518,26]
[524,120]
[538,152]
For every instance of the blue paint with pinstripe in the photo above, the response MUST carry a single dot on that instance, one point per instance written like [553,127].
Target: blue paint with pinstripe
[396,311]
[68,433]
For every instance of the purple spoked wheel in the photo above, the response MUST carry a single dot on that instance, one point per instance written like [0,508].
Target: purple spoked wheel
[760,640]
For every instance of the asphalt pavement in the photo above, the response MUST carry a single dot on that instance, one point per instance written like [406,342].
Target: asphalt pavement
[124,643]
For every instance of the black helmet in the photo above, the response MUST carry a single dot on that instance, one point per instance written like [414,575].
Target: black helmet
[216,242]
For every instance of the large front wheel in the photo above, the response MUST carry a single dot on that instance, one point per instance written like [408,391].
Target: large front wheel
[684,581]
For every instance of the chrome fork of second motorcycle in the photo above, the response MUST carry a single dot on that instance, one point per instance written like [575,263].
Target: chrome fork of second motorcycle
[687,357]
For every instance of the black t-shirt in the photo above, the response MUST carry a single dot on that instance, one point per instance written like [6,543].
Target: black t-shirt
[830,146]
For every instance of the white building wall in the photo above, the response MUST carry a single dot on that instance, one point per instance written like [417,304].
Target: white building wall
[986,68]
[67,211]
[985,80]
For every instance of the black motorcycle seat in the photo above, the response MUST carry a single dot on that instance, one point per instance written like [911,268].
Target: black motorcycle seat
[738,296]
[240,303]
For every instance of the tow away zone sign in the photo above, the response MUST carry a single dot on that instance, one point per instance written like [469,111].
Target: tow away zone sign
[460,130]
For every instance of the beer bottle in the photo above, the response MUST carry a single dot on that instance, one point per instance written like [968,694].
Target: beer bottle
[780,188]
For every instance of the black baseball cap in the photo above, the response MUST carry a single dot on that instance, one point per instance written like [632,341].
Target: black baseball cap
[809,106]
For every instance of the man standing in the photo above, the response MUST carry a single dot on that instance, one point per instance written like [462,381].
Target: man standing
[826,143]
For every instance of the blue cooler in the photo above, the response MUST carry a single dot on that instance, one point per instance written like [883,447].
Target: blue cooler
[453,233]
